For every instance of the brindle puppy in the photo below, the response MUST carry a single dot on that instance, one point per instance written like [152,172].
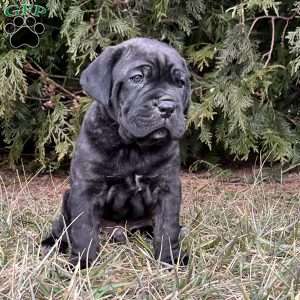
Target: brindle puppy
[126,163]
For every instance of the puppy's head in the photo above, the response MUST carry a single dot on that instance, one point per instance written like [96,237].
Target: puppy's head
[145,87]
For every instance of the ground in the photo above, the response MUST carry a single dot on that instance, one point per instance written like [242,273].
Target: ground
[242,235]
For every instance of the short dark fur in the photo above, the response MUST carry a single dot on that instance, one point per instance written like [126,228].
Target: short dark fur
[126,162]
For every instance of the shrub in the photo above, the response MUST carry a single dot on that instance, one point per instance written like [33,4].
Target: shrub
[244,61]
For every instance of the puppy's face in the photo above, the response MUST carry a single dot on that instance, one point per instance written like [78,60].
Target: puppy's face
[149,90]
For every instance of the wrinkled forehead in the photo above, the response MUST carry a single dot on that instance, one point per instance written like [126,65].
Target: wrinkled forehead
[159,57]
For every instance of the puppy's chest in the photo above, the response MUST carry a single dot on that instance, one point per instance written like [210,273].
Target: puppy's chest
[130,197]
[134,161]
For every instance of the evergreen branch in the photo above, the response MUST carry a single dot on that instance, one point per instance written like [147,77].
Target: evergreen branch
[13,82]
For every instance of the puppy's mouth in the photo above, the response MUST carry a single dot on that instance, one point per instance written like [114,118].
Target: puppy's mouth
[154,137]
[158,134]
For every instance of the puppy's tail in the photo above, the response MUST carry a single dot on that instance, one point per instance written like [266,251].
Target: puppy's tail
[59,226]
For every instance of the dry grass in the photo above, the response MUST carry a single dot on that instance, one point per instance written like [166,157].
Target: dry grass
[244,244]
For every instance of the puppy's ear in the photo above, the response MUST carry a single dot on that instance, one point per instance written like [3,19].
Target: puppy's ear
[96,79]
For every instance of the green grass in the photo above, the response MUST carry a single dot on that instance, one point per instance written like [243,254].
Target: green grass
[243,245]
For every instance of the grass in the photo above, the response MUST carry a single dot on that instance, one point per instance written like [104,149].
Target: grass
[242,245]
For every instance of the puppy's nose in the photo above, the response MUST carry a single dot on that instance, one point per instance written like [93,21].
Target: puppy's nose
[166,108]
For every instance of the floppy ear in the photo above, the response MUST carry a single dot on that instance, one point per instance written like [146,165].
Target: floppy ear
[96,79]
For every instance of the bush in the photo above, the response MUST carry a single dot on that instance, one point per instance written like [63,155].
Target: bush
[244,60]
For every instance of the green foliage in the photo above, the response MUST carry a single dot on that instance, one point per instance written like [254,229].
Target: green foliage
[294,42]
[13,85]
[245,74]
[240,97]
[55,129]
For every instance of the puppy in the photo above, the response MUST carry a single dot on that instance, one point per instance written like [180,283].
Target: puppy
[125,168]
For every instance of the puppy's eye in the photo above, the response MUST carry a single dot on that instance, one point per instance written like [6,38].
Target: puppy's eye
[137,78]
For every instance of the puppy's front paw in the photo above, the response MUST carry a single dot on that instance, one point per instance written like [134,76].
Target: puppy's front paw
[181,259]
[74,260]
[177,258]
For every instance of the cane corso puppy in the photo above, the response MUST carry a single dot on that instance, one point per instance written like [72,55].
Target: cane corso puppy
[125,167]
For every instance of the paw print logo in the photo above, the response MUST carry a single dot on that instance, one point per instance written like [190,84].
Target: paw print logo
[24,31]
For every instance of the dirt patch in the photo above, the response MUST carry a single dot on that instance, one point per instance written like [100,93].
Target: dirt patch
[203,186]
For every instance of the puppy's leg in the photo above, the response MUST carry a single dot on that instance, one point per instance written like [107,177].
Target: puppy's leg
[166,223]
[85,215]
[59,226]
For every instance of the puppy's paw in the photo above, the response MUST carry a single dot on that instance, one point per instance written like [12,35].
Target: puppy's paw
[46,245]
[49,242]
[119,235]
[181,259]
[74,260]
[83,261]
